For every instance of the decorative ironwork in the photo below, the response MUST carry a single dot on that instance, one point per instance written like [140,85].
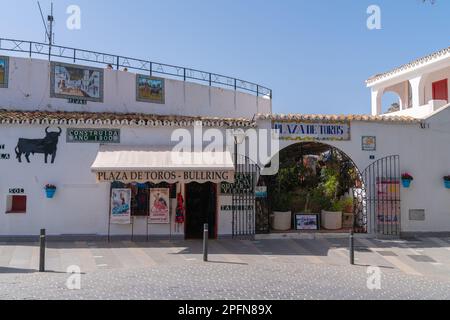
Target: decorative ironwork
[378,201]
[152,68]
[244,197]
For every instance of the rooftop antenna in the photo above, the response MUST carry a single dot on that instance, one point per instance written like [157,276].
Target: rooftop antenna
[48,31]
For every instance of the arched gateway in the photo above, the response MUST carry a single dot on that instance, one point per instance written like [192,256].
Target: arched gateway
[305,169]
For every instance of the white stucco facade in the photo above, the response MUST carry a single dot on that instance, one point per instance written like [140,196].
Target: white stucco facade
[419,135]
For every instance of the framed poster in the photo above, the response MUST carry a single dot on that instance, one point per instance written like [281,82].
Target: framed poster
[4,71]
[369,143]
[150,89]
[76,82]
[159,206]
[388,201]
[121,206]
[307,222]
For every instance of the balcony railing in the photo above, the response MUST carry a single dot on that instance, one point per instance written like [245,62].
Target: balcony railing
[55,52]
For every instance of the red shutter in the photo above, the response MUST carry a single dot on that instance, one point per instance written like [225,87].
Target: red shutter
[19,204]
[440,90]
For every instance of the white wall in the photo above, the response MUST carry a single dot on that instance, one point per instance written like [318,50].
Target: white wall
[425,153]
[80,206]
[29,89]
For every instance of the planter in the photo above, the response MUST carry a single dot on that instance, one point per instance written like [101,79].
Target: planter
[282,221]
[331,220]
[50,193]
[406,183]
[347,220]
[447,184]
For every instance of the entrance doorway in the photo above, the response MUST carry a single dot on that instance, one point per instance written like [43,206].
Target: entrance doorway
[200,209]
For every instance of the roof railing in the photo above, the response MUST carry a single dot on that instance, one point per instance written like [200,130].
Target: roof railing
[74,55]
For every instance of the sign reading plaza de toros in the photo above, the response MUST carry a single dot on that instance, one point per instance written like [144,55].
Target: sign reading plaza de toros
[313,131]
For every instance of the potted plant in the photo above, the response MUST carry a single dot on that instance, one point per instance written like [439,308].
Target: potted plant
[50,190]
[406,180]
[447,182]
[282,214]
[332,217]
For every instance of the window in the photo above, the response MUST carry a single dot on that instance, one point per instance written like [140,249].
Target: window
[440,90]
[16,204]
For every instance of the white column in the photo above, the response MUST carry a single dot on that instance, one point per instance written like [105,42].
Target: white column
[418,94]
[376,101]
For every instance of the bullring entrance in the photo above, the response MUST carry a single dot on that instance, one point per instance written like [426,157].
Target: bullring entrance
[318,189]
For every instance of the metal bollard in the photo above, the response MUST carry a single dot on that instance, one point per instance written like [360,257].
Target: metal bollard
[352,248]
[205,242]
[42,251]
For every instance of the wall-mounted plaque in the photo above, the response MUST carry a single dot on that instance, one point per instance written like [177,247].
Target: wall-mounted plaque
[4,71]
[150,89]
[76,82]
[93,135]
[369,143]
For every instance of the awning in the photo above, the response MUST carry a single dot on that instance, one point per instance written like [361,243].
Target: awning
[162,164]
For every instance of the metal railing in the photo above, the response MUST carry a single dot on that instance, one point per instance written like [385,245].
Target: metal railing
[151,68]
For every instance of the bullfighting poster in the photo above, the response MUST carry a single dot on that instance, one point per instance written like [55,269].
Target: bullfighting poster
[121,206]
[159,206]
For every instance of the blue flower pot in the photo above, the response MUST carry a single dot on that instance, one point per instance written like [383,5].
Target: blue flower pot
[406,183]
[50,193]
[447,184]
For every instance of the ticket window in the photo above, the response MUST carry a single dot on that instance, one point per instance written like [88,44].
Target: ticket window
[16,204]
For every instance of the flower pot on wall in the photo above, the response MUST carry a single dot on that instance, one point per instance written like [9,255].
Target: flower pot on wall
[406,183]
[50,193]
[447,184]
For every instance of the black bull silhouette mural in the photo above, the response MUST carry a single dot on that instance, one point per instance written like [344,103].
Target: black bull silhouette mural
[46,146]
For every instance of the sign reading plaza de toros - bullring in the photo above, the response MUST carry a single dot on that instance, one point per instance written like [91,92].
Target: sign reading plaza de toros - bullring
[313,131]
[165,176]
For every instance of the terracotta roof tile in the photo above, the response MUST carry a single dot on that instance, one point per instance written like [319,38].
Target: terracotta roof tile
[124,119]
[415,63]
[320,117]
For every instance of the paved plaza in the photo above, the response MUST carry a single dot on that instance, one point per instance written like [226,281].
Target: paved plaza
[238,269]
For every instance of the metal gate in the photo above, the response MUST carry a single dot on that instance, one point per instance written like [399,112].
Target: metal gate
[244,198]
[378,201]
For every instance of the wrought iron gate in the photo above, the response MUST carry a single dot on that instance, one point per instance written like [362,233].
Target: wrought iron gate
[244,198]
[378,200]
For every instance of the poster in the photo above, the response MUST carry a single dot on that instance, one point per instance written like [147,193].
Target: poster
[388,201]
[150,89]
[159,206]
[121,206]
[307,222]
[69,81]
[4,72]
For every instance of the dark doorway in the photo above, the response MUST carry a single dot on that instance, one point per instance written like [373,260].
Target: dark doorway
[200,209]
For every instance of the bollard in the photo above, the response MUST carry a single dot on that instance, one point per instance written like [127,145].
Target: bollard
[352,248]
[205,242]
[42,251]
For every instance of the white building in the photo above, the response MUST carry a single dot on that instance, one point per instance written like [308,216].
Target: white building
[117,141]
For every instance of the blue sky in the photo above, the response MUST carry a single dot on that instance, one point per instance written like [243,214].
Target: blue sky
[315,55]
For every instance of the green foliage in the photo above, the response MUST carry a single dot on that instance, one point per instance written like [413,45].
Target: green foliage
[282,202]
[330,178]
[318,201]
[342,205]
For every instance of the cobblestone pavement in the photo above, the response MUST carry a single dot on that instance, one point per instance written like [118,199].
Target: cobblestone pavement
[266,269]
